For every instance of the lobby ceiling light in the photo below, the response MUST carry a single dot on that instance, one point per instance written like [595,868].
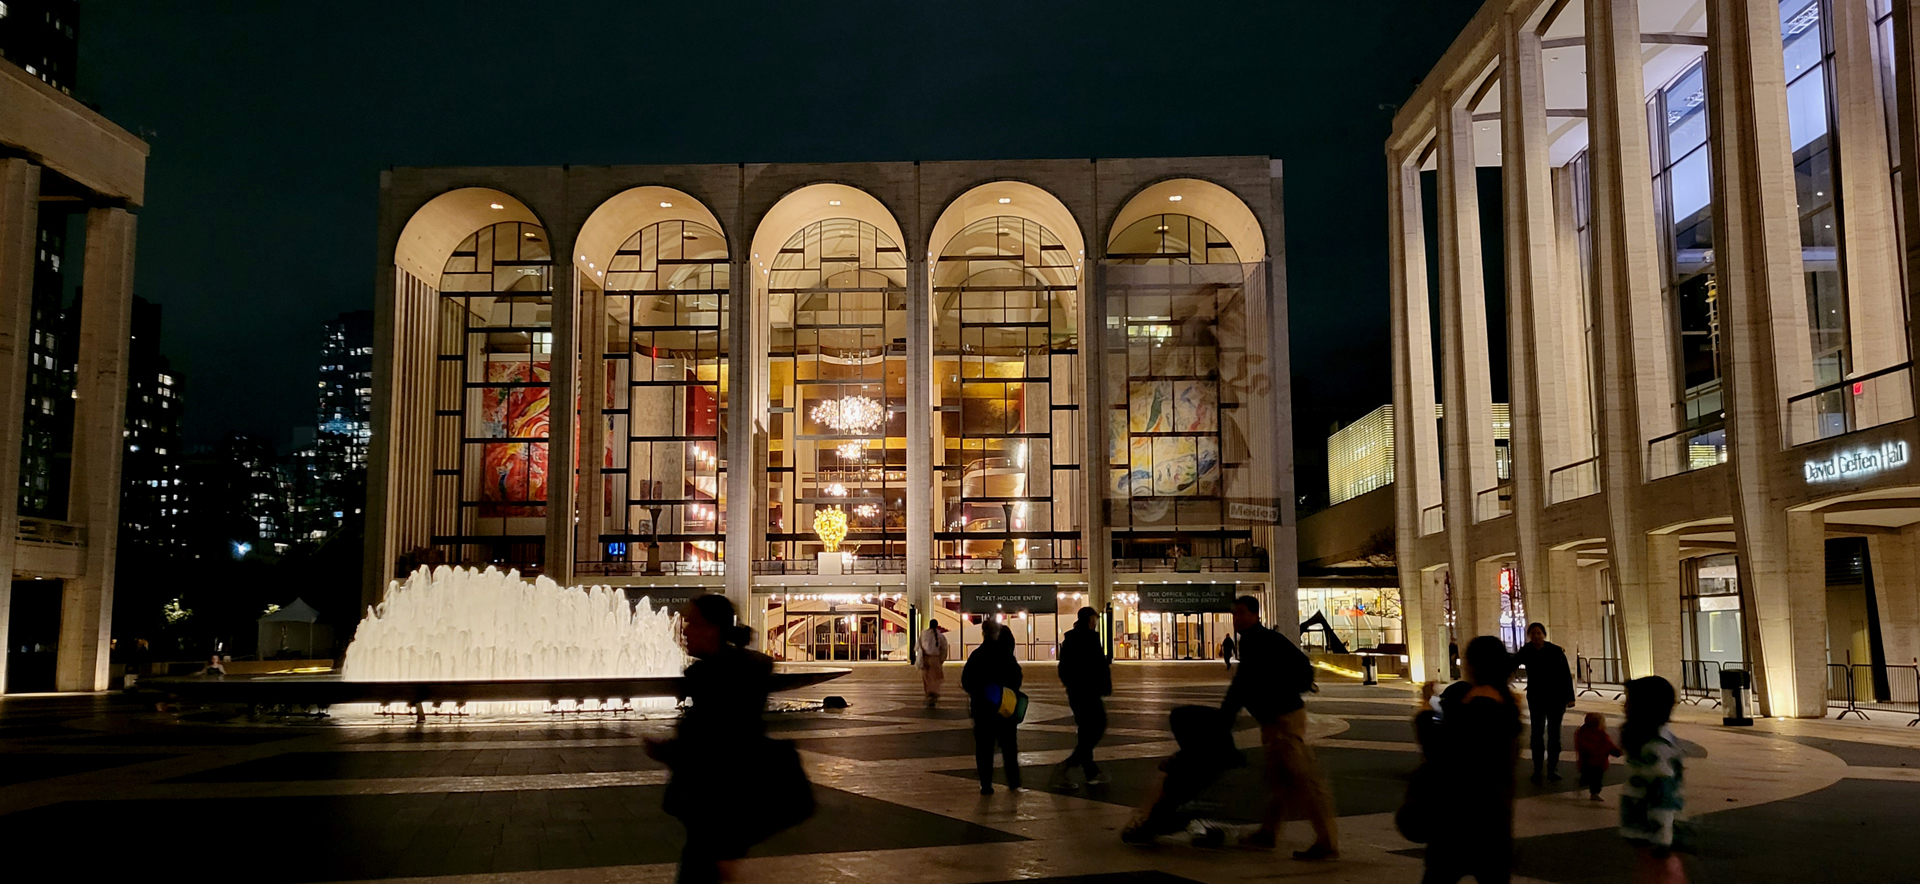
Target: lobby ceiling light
[666,205]
[1005,200]
[1174,199]
[497,206]
[850,414]
[852,451]
[833,202]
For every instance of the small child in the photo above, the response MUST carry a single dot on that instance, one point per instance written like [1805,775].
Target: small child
[1205,739]
[1596,750]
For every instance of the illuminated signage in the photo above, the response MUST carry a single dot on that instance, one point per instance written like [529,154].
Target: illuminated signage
[1187,598]
[1858,463]
[993,599]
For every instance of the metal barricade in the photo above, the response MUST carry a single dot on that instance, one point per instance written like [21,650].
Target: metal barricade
[1863,687]
[1840,691]
[1597,673]
[1699,679]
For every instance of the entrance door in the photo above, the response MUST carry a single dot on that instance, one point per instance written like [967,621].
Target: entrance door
[33,636]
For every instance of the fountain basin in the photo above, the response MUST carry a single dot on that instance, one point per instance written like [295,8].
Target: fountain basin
[329,690]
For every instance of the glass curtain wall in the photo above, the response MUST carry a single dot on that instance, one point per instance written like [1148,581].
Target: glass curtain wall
[1808,50]
[1711,634]
[664,474]
[1883,50]
[491,398]
[837,394]
[1684,183]
[1176,360]
[1005,357]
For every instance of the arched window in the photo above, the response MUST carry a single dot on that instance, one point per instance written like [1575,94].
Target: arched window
[1177,434]
[491,404]
[666,309]
[1004,362]
[836,393]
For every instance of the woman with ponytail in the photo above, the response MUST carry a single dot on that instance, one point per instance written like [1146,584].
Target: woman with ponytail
[721,729]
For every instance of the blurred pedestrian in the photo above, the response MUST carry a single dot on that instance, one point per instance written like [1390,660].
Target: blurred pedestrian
[1087,675]
[932,649]
[1549,696]
[991,679]
[1651,802]
[1273,674]
[1226,651]
[1471,749]
[722,727]
[1596,750]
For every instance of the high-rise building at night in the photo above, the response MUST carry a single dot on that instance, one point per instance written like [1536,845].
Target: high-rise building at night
[46,437]
[153,506]
[338,460]
[40,37]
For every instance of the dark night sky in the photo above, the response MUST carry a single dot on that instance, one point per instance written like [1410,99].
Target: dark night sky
[270,121]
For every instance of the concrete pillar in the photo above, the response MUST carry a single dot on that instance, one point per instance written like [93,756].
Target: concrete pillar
[1757,250]
[1478,601]
[1560,607]
[19,221]
[1416,443]
[1806,607]
[746,485]
[1527,188]
[1871,246]
[1636,390]
[920,475]
[1562,314]
[593,423]
[1896,590]
[563,417]
[1427,634]
[1463,323]
[1906,89]
[1096,535]
[1655,617]
[106,316]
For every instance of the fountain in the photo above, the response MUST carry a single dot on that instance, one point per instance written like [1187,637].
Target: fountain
[486,642]
[457,624]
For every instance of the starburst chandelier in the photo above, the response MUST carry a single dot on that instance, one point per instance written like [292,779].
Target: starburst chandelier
[835,490]
[850,414]
[866,511]
[852,451]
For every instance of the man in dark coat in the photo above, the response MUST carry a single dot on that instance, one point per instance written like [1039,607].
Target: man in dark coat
[1549,696]
[992,665]
[1273,673]
[1088,676]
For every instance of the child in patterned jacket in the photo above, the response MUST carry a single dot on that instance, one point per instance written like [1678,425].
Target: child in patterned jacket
[1651,802]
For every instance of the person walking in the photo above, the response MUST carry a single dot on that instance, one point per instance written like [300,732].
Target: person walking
[1226,651]
[706,790]
[1549,696]
[1596,751]
[932,649]
[1471,748]
[992,665]
[1087,675]
[1651,802]
[1273,674]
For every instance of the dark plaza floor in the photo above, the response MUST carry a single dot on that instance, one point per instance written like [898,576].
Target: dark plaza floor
[111,782]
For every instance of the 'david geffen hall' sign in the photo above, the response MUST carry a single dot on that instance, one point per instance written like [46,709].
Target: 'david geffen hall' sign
[1857,463]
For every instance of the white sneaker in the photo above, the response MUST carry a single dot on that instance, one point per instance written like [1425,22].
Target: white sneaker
[1099,779]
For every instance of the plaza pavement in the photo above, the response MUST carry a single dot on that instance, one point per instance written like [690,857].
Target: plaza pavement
[106,782]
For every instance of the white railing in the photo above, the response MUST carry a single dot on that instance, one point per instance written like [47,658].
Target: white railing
[1493,503]
[1858,403]
[1433,520]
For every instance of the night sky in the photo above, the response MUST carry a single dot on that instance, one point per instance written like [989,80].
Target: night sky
[270,121]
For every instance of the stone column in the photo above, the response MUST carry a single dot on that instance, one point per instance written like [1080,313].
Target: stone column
[563,416]
[99,422]
[746,486]
[1896,590]
[1660,615]
[1567,603]
[1096,540]
[920,476]
[1528,220]
[1565,353]
[19,222]
[1636,386]
[1757,250]
[1416,444]
[1871,246]
[593,423]
[1906,88]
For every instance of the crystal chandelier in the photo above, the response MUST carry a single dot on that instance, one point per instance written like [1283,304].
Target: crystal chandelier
[852,451]
[835,490]
[866,511]
[850,414]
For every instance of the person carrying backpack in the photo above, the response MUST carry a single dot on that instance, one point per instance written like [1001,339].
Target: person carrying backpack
[1088,677]
[1273,674]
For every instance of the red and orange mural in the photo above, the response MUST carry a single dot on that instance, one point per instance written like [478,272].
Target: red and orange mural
[514,474]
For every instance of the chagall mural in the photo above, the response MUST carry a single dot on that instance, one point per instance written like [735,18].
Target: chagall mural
[514,481]
[1168,439]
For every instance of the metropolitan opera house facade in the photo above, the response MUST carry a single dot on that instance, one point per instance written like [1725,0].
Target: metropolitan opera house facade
[852,397]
